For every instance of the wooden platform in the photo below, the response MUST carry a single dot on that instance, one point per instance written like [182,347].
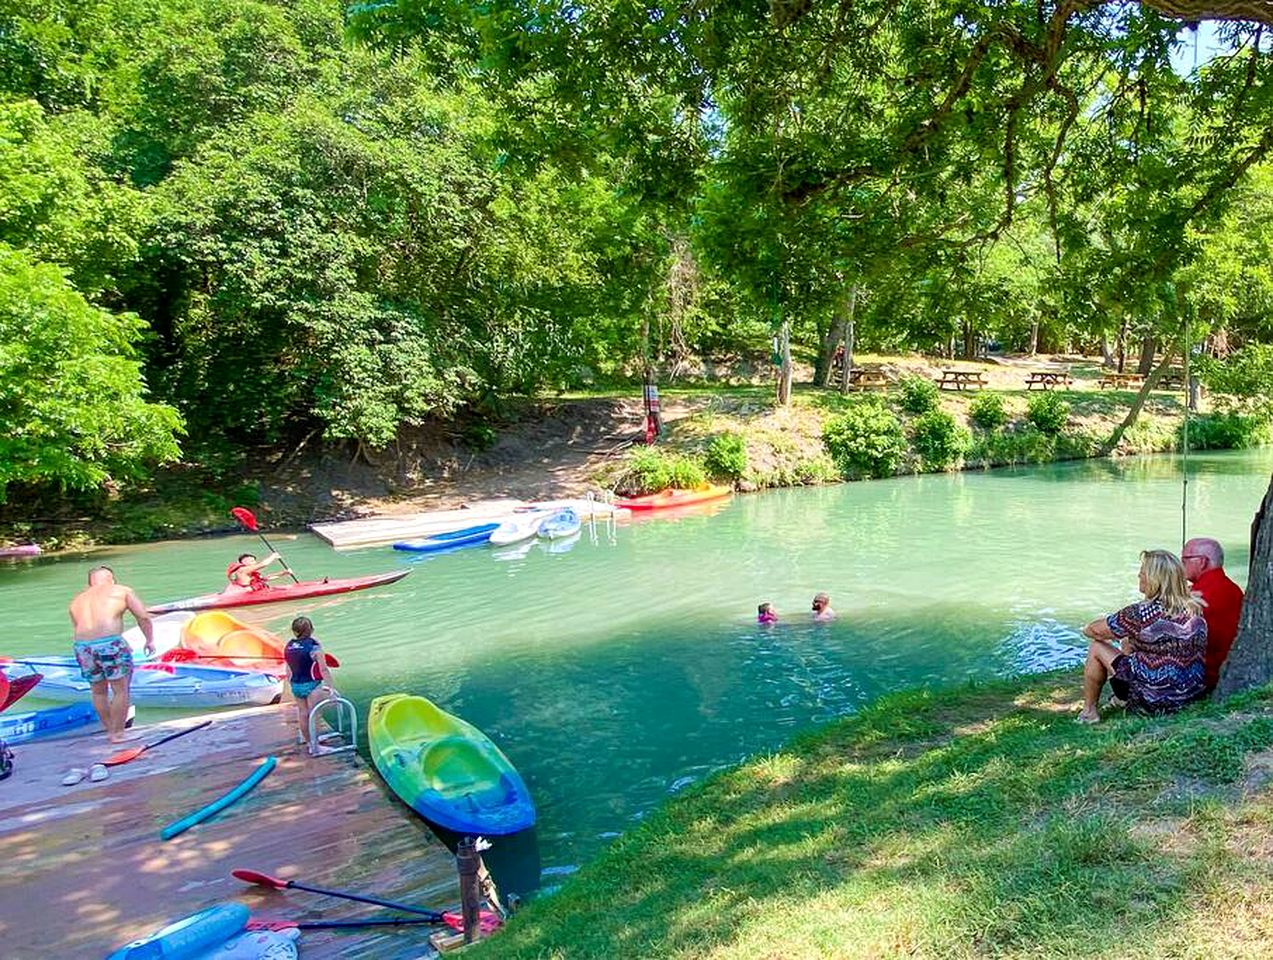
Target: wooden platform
[85,871]
[374,531]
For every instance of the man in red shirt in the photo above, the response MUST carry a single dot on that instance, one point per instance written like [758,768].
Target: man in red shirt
[1204,566]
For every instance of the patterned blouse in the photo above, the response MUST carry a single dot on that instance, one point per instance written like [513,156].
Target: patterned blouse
[1165,668]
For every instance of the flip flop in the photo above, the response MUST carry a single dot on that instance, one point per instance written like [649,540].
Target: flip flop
[1087,720]
[98,773]
[73,776]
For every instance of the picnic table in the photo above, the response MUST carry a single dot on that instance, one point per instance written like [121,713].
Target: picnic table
[961,380]
[1049,379]
[868,378]
[1173,379]
[1120,381]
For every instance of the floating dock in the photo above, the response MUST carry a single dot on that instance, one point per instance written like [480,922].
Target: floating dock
[86,872]
[376,531]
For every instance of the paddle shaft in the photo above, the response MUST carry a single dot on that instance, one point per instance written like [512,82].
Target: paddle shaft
[340,924]
[433,915]
[286,568]
[128,755]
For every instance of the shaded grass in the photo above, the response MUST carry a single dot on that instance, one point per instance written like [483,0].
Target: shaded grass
[982,822]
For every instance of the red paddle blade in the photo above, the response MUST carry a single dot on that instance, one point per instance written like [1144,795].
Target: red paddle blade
[260,879]
[178,655]
[487,921]
[124,756]
[245,517]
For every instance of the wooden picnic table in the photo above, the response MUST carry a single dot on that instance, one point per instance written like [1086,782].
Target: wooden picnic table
[961,380]
[868,378]
[1049,379]
[1119,381]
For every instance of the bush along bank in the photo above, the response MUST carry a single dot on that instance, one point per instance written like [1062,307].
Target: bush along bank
[824,437]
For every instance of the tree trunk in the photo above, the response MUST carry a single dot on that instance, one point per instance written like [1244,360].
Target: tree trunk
[1148,347]
[1107,357]
[846,372]
[1138,404]
[1122,346]
[1034,337]
[970,341]
[1250,662]
[826,352]
[784,376]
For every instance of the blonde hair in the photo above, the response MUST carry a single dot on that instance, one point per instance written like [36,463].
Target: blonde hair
[1166,582]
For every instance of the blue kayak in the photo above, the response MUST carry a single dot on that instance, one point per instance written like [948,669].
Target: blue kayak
[21,727]
[467,537]
[562,524]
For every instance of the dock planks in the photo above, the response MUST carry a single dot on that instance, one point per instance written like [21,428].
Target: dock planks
[85,870]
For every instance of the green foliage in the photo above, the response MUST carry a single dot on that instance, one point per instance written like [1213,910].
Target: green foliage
[1048,412]
[1011,447]
[726,456]
[1243,380]
[72,398]
[1149,436]
[918,395]
[1228,430]
[988,410]
[651,469]
[867,440]
[939,440]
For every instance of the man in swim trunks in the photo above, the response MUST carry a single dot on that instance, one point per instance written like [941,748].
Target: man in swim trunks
[104,656]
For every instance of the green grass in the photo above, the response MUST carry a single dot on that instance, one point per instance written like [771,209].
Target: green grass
[979,822]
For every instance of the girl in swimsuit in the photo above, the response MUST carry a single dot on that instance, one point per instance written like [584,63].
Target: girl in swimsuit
[307,671]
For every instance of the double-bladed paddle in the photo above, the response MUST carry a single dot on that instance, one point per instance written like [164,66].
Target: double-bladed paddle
[132,753]
[248,519]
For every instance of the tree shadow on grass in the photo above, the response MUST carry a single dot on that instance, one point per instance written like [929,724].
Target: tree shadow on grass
[985,822]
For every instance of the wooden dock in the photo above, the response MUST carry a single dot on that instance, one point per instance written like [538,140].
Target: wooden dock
[374,531]
[85,870]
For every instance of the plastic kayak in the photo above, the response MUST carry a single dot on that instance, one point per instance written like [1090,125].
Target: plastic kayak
[562,524]
[220,639]
[190,936]
[167,632]
[675,498]
[466,537]
[281,594]
[12,692]
[22,550]
[519,527]
[446,769]
[33,724]
[167,685]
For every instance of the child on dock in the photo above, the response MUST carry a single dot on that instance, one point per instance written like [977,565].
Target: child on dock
[765,614]
[307,670]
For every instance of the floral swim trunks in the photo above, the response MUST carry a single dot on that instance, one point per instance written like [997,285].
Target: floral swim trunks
[107,658]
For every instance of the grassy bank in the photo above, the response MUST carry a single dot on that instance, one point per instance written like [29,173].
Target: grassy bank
[980,822]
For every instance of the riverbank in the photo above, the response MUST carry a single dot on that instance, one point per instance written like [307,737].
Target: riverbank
[567,446]
[981,821]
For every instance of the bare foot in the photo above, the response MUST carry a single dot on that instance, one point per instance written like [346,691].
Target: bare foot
[1089,715]
[126,737]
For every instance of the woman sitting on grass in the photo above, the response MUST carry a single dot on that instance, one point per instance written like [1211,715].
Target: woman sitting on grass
[1160,666]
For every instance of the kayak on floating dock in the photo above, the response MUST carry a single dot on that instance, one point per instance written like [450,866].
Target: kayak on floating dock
[446,769]
[563,524]
[168,685]
[190,936]
[34,724]
[451,540]
[20,551]
[668,499]
[13,691]
[292,591]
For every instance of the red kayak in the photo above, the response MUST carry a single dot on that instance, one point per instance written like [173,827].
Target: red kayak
[292,591]
[11,691]
[675,498]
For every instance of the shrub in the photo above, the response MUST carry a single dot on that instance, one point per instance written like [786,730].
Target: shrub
[918,395]
[939,440]
[651,469]
[1048,412]
[1078,445]
[727,456]
[1007,447]
[988,410]
[865,441]
[1227,430]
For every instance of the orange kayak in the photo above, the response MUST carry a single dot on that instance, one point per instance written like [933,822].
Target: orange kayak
[676,498]
[216,637]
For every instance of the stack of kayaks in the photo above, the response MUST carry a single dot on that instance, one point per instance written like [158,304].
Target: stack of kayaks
[447,770]
[165,685]
[519,527]
[668,499]
[451,540]
[562,524]
[280,594]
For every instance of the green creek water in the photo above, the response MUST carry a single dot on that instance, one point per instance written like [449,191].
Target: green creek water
[618,670]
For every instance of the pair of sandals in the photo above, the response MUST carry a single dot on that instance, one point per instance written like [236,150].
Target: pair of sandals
[96,774]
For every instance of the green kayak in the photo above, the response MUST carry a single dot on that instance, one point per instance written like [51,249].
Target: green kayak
[445,768]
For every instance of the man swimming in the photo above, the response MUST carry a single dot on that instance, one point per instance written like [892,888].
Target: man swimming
[104,656]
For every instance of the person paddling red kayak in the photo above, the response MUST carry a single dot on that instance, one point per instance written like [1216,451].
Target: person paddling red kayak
[245,573]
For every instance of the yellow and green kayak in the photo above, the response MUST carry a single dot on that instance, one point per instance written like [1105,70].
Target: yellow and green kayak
[446,769]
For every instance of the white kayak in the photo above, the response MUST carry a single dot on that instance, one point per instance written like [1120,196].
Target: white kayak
[518,527]
[168,629]
[174,686]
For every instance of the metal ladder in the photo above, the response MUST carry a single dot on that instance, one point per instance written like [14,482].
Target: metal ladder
[343,734]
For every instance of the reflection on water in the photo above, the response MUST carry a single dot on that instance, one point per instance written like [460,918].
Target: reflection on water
[629,667]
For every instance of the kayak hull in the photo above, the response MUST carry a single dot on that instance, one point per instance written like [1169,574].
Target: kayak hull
[292,591]
[23,550]
[451,540]
[560,525]
[446,769]
[668,499]
[169,686]
[517,529]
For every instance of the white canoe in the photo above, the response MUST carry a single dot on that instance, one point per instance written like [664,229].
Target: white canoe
[518,527]
[175,686]
[168,628]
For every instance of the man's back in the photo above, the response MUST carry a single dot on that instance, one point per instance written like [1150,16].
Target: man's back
[1222,612]
[98,611]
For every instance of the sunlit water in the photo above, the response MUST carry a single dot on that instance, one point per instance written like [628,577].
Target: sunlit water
[618,670]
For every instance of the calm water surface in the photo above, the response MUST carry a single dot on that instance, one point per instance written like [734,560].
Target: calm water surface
[617,670]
